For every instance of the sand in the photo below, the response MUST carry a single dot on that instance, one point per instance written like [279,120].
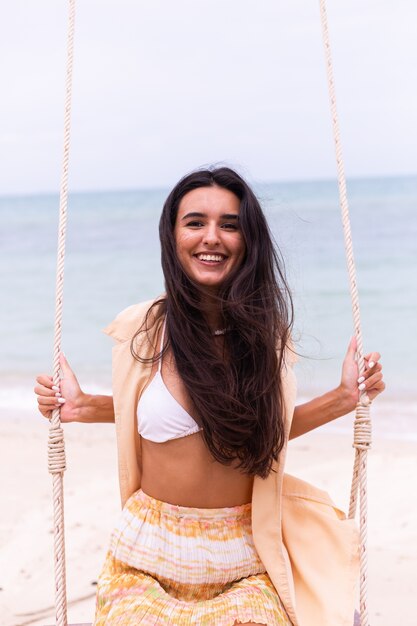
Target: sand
[323,457]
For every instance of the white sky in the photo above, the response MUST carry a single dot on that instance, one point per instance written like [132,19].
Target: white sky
[164,86]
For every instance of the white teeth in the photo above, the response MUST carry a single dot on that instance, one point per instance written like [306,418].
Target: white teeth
[210,257]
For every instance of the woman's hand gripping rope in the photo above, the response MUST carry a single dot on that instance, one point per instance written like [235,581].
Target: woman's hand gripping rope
[371,381]
[68,395]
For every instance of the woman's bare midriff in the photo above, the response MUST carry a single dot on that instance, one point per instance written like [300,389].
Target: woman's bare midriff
[182,471]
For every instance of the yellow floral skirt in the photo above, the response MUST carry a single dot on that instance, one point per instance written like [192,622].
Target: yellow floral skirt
[186,566]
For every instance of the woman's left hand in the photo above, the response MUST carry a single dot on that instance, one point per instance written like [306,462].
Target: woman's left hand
[371,380]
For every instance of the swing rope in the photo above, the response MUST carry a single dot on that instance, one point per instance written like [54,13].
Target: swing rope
[362,425]
[56,448]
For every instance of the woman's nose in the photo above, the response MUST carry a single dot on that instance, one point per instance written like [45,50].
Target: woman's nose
[211,236]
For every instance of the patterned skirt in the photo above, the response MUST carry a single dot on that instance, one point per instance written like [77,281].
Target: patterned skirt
[179,565]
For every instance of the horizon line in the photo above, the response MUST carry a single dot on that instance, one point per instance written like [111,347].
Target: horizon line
[166,187]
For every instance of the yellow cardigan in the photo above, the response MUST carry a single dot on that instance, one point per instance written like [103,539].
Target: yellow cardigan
[309,549]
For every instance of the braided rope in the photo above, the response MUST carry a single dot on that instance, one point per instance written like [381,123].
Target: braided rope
[362,427]
[56,447]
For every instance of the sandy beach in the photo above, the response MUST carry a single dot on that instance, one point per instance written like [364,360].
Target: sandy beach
[92,505]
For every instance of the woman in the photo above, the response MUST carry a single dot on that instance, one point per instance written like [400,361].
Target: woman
[203,399]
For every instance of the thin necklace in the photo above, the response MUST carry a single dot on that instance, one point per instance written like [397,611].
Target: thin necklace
[220,331]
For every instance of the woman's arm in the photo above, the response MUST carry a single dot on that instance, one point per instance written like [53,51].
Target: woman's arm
[319,411]
[344,398]
[76,406]
[94,409]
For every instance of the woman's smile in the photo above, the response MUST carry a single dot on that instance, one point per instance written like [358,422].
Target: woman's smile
[210,259]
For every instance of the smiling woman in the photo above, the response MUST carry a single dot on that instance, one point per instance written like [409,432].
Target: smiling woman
[204,402]
[207,415]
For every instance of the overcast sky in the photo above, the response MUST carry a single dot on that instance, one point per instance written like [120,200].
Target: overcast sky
[164,86]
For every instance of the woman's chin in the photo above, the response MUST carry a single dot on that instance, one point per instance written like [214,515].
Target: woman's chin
[208,285]
[208,280]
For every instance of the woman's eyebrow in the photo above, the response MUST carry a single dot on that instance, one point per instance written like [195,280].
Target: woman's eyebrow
[193,214]
[225,216]
[230,216]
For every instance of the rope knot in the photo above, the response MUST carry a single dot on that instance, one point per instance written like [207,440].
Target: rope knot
[56,450]
[362,427]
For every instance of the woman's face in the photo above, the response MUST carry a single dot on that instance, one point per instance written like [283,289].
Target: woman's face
[207,235]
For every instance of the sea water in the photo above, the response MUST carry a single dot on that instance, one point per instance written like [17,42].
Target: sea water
[113,260]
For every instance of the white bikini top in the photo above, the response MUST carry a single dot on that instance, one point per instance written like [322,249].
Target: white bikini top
[160,415]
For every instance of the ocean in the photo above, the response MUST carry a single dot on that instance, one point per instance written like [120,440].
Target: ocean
[113,260]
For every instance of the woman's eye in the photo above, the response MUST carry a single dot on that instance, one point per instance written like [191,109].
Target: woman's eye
[225,226]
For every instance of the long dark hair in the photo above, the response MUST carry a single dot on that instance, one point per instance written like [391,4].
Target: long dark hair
[237,398]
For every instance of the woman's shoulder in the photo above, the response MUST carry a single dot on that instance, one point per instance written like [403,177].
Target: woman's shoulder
[129,320]
[288,349]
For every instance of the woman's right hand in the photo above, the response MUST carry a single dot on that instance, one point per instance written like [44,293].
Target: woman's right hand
[68,395]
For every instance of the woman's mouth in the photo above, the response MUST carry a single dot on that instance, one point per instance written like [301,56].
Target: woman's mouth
[210,259]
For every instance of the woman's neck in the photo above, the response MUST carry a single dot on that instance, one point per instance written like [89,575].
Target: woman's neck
[210,308]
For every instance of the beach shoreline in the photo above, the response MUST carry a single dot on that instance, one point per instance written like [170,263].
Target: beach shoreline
[323,457]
